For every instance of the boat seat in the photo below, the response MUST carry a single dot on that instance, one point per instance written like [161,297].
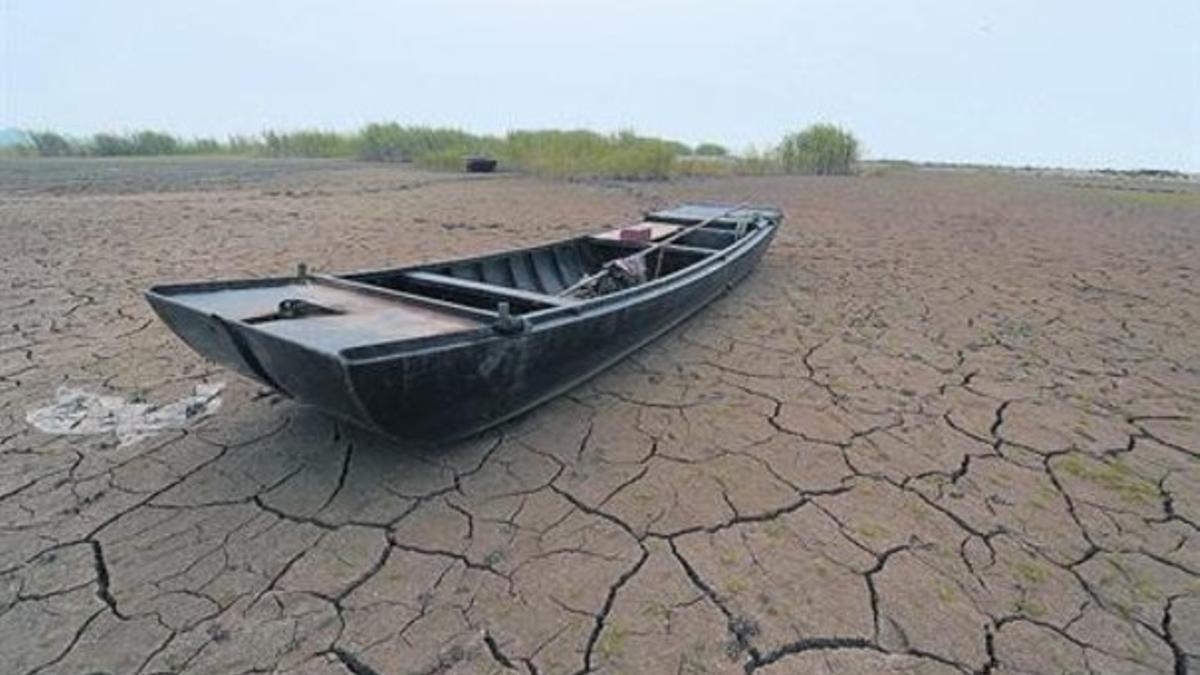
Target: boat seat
[491,290]
[634,246]
[708,238]
[689,249]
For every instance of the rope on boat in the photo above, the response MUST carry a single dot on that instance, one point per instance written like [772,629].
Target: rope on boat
[629,261]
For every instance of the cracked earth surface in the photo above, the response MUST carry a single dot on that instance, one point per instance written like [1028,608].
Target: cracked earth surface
[951,424]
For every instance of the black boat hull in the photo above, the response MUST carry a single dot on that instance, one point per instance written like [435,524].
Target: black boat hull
[510,375]
[457,388]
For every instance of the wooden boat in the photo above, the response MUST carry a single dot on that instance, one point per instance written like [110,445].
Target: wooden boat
[444,350]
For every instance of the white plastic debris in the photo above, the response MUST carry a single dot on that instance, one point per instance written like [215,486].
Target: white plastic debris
[77,411]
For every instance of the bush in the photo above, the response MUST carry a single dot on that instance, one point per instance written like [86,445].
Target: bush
[244,145]
[678,148]
[755,163]
[110,145]
[153,143]
[50,144]
[141,143]
[204,146]
[582,153]
[395,143]
[307,143]
[711,150]
[820,149]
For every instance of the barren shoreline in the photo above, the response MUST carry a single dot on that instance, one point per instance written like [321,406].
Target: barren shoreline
[951,424]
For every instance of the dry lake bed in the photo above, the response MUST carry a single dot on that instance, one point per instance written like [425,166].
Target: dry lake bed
[950,425]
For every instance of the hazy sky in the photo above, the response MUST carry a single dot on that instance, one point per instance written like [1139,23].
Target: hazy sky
[1053,82]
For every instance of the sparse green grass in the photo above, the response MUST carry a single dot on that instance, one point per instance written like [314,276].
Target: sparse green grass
[871,530]
[886,167]
[736,586]
[1130,190]
[612,641]
[1014,329]
[1031,572]
[775,529]
[1114,476]
[1030,608]
[656,610]
[1180,199]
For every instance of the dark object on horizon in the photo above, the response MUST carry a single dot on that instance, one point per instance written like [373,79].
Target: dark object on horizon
[481,164]
[445,350]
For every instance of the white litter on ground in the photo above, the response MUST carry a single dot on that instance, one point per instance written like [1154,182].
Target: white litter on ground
[76,411]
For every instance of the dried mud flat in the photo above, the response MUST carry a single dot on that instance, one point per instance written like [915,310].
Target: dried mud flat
[951,424]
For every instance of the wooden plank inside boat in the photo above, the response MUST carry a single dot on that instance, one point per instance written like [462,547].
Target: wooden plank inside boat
[337,318]
[655,231]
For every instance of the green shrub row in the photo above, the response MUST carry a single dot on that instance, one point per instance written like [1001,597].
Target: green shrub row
[820,149]
[138,144]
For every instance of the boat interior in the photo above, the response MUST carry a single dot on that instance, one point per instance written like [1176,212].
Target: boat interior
[340,312]
[535,279]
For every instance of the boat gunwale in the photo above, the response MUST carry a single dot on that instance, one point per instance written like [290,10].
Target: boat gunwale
[538,320]
[770,211]
[551,317]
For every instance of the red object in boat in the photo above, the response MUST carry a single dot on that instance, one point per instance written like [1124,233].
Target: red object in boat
[635,234]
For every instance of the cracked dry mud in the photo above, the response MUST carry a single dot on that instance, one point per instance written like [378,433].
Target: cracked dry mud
[951,424]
